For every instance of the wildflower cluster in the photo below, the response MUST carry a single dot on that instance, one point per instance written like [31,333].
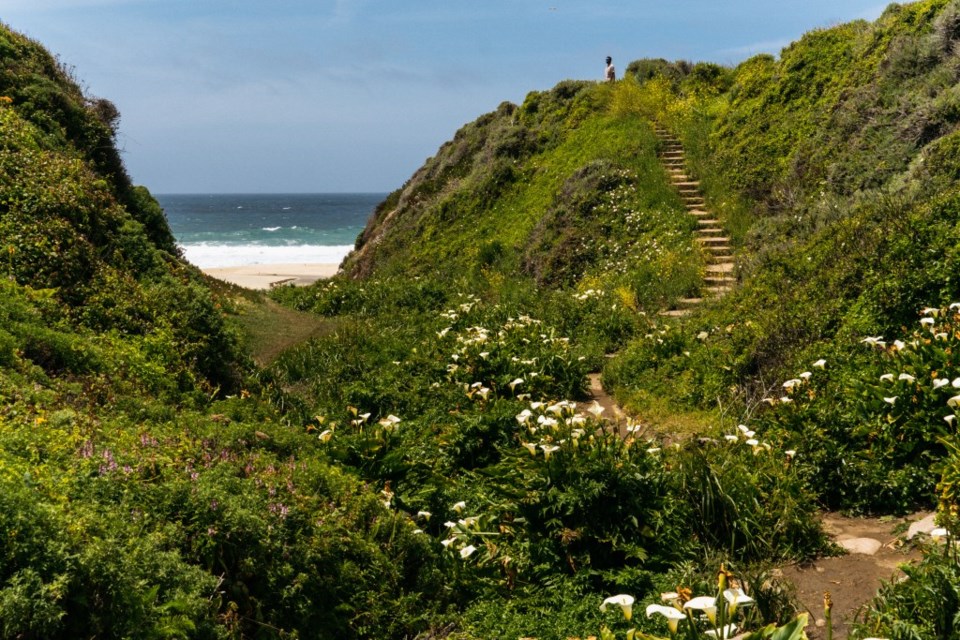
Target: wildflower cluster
[718,617]
[554,425]
[462,533]
[798,388]
[908,408]
[640,235]
[748,436]
[520,358]
[920,384]
[588,294]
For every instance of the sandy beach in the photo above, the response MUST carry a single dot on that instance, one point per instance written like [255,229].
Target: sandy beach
[265,276]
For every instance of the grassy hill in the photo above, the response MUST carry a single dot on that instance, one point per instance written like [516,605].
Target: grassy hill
[149,486]
[563,189]
[419,466]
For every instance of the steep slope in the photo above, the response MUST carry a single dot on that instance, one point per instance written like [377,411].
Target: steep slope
[139,499]
[71,221]
[834,168]
[828,374]
[46,95]
[565,189]
[150,487]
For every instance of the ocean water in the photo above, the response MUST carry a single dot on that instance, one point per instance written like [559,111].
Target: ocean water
[229,230]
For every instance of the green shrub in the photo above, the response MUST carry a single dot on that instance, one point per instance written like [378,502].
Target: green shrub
[925,604]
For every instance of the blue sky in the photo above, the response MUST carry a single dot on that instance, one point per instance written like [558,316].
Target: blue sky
[221,96]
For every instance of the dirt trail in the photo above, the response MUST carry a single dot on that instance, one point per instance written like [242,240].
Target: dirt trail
[611,410]
[852,579]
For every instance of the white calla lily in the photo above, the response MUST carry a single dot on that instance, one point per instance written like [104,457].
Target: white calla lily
[547,422]
[389,422]
[624,601]
[736,598]
[706,604]
[672,614]
[820,364]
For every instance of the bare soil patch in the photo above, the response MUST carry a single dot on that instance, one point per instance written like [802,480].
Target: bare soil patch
[852,579]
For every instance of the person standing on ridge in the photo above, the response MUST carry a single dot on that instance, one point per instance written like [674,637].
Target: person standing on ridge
[611,73]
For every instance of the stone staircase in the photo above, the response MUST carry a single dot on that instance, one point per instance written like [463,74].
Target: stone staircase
[719,277]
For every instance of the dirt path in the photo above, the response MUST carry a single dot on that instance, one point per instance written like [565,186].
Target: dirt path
[852,579]
[611,410]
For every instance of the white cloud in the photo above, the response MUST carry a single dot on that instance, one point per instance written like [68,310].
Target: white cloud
[752,49]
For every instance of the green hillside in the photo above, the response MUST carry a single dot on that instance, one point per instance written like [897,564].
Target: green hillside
[151,488]
[419,467]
